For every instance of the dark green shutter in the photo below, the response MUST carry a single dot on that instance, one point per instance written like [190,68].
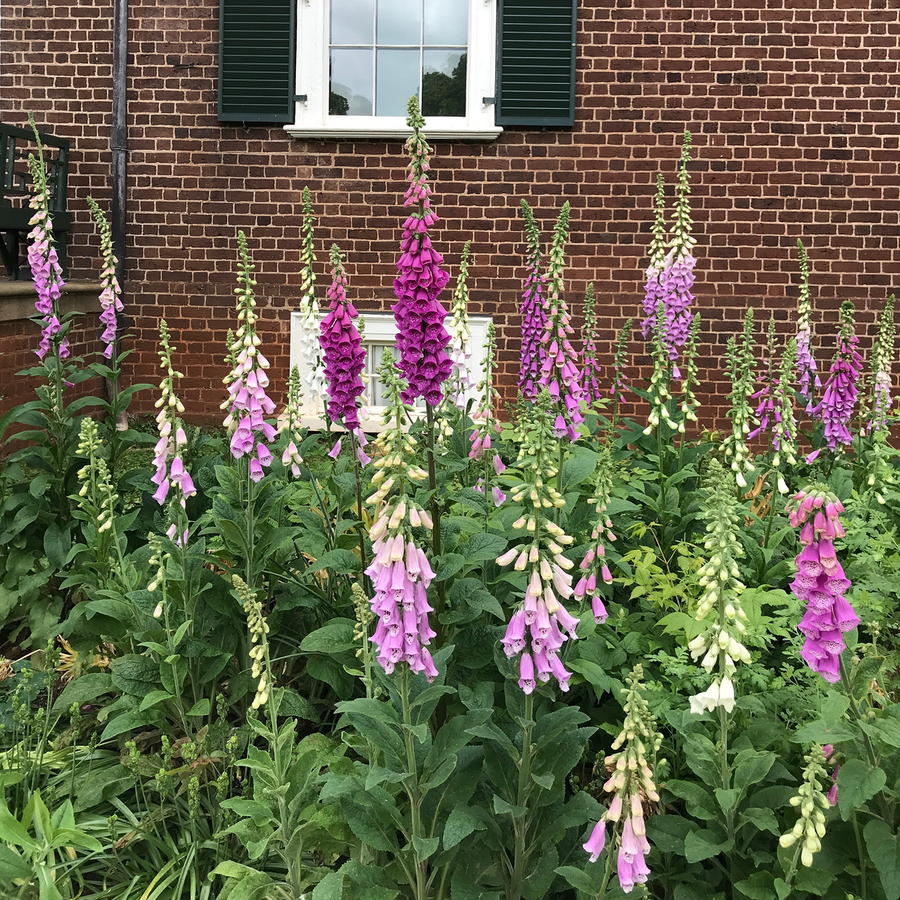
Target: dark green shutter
[256,60]
[536,62]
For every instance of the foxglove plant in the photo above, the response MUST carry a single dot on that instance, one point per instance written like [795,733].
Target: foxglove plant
[289,423]
[807,373]
[658,391]
[342,350]
[460,381]
[541,625]
[784,429]
[533,310]
[485,423]
[653,294]
[110,296]
[719,645]
[594,566]
[740,373]
[689,402]
[560,373]
[880,369]
[838,401]
[173,481]
[632,786]
[591,374]
[620,378]
[422,339]
[310,347]
[766,412]
[400,571]
[820,581]
[809,829]
[248,403]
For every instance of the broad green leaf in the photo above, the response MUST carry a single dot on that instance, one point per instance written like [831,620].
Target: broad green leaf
[331,887]
[763,819]
[727,798]
[819,733]
[750,767]
[483,547]
[133,674]
[759,886]
[155,697]
[82,690]
[857,784]
[578,879]
[460,824]
[200,708]
[335,637]
[703,844]
[338,562]
[578,467]
[699,803]
[884,851]
[425,847]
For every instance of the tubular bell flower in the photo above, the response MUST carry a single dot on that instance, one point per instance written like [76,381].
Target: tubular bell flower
[534,314]
[483,417]
[247,402]
[835,408]
[46,272]
[591,374]
[421,337]
[880,369]
[719,645]
[535,632]
[661,379]
[810,827]
[820,580]
[460,380]
[289,423]
[309,307]
[342,350]
[740,372]
[594,564]
[620,379]
[560,369]
[632,786]
[808,375]
[110,301]
[400,571]
[653,294]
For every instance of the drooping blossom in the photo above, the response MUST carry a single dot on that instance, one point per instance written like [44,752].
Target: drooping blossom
[812,802]
[460,382]
[591,374]
[820,581]
[247,402]
[620,378]
[540,626]
[593,566]
[310,348]
[533,310]
[46,272]
[110,296]
[400,571]
[881,360]
[690,403]
[652,289]
[172,479]
[838,402]
[740,374]
[719,645]
[484,417]
[289,423]
[631,785]
[808,375]
[422,339]
[658,391]
[560,370]
[342,350]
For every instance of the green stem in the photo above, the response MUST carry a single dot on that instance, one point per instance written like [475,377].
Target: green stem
[411,785]
[435,517]
[607,872]
[359,509]
[861,853]
[521,823]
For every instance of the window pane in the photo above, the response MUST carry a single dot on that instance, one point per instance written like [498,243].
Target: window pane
[444,83]
[353,22]
[400,22]
[447,22]
[351,83]
[397,79]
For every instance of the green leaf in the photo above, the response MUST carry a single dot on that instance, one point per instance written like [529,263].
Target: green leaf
[200,708]
[251,809]
[84,689]
[703,844]
[727,798]
[153,698]
[369,823]
[335,637]
[544,781]
[819,733]
[14,832]
[857,783]
[578,467]
[759,886]
[483,547]
[699,803]
[833,708]
[668,832]
[133,674]
[448,564]
[425,847]
[460,824]
[578,879]
[331,887]
[884,851]
[864,674]
[339,562]
[504,808]
[127,722]
[763,819]
[750,767]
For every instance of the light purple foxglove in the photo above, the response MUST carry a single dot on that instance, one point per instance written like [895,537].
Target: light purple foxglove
[289,423]
[422,339]
[591,375]
[652,288]
[882,358]
[533,310]
[807,373]
[838,402]
[110,296]
[342,350]
[593,566]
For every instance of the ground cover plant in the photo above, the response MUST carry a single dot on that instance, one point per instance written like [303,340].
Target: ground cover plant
[547,651]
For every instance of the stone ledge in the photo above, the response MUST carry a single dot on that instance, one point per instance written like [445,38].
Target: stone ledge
[17,299]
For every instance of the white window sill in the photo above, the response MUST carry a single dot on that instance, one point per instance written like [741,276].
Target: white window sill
[391,133]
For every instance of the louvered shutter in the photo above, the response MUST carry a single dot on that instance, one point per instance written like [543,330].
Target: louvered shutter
[256,60]
[536,62]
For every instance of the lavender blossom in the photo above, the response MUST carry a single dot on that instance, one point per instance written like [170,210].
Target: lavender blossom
[560,369]
[422,338]
[620,378]
[740,373]
[534,313]
[289,423]
[806,364]
[484,416]
[247,402]
[46,272]
[460,381]
[836,407]
[110,296]
[310,347]
[880,365]
[653,294]
[342,350]
[594,565]
[591,373]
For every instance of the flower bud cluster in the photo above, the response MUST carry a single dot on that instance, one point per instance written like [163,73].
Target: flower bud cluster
[308,308]
[484,418]
[808,376]
[661,377]
[260,665]
[591,375]
[560,373]
[653,295]
[289,423]
[812,802]
[534,314]
[719,645]
[247,402]
[110,295]
[594,565]
[880,363]
[620,378]
[400,571]
[96,495]
[820,580]
[541,625]
[158,558]
[631,783]
[740,373]
[460,381]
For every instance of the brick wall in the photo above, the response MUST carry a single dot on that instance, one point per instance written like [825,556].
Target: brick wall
[793,105]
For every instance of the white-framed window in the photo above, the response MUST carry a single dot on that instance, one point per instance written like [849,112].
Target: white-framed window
[359,61]
[379,332]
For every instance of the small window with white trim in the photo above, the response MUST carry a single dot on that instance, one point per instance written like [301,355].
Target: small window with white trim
[379,333]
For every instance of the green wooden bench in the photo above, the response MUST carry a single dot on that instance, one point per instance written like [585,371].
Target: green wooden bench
[15,192]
